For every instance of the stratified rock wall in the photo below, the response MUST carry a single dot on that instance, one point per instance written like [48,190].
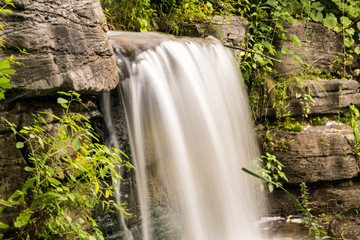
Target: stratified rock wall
[319,47]
[67,45]
[324,156]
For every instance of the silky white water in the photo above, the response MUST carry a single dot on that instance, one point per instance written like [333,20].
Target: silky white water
[191,133]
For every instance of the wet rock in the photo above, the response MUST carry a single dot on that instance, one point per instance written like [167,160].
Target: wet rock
[345,228]
[67,44]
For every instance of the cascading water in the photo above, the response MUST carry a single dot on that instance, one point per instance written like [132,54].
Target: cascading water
[191,133]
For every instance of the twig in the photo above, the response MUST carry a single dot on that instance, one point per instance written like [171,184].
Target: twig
[249,51]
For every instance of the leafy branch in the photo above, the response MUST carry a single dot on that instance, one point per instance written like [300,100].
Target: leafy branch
[70,175]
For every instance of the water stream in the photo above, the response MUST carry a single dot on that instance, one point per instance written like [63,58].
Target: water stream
[191,133]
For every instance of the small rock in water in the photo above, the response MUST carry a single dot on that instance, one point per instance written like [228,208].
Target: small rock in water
[295,219]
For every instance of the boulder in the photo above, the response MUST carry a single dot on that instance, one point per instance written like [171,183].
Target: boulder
[67,45]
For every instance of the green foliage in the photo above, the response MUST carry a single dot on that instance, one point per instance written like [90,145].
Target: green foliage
[69,176]
[353,118]
[128,14]
[5,64]
[140,15]
[272,171]
[314,225]
[314,228]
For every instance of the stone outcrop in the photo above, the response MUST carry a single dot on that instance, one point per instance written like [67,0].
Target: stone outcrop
[329,97]
[231,30]
[319,47]
[67,45]
[323,156]
[318,153]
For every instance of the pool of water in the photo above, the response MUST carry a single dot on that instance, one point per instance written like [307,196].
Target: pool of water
[277,228]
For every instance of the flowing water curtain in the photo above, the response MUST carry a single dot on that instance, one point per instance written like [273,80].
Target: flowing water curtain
[191,133]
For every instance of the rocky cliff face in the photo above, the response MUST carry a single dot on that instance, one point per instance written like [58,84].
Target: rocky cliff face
[67,46]
[68,50]
[323,156]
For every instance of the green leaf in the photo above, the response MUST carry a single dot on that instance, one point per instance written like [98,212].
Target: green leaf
[24,131]
[320,16]
[62,100]
[318,6]
[55,182]
[76,144]
[349,42]
[28,184]
[4,64]
[29,169]
[345,21]
[22,219]
[64,93]
[4,80]
[16,194]
[357,50]
[3,225]
[330,21]
[298,59]
[19,145]
[295,39]
[313,16]
[358,25]
[350,31]
[64,105]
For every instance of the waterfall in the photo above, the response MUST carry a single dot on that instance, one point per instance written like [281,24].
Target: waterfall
[191,133]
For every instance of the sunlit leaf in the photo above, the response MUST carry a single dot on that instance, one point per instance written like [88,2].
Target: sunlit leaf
[22,219]
[298,59]
[295,39]
[28,184]
[54,181]
[76,144]
[97,187]
[3,225]
[16,194]
[345,21]
[349,42]
[330,21]
[357,50]
[62,100]
[19,145]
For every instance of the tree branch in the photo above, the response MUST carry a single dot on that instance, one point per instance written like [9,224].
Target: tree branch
[245,50]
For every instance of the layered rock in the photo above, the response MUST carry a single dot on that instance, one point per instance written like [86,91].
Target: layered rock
[67,46]
[319,47]
[325,156]
[318,153]
[324,97]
